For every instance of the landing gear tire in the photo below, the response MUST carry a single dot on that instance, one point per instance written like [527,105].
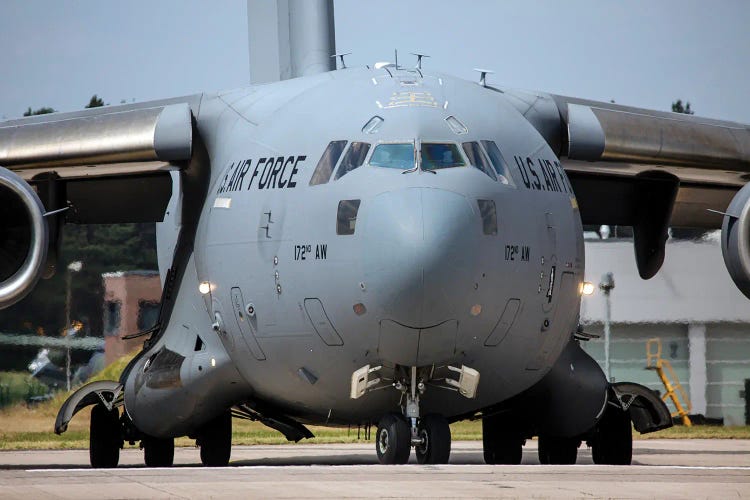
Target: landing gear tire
[435,434]
[558,451]
[613,442]
[105,437]
[215,441]
[393,440]
[158,452]
[501,442]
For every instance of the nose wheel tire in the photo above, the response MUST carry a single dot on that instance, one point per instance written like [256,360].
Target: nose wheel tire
[105,437]
[158,452]
[613,443]
[435,434]
[215,441]
[393,440]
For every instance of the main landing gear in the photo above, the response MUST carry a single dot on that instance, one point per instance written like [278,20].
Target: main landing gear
[108,432]
[397,433]
[215,441]
[502,440]
[105,437]
[612,442]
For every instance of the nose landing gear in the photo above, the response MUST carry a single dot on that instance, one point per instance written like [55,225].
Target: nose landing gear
[397,433]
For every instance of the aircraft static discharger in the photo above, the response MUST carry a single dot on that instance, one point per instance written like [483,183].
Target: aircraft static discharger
[381,246]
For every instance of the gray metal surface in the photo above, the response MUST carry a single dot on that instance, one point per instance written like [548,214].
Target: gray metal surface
[290,38]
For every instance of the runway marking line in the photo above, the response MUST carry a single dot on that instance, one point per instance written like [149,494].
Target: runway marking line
[404,469]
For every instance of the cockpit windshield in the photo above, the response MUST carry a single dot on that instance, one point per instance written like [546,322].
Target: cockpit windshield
[399,155]
[439,155]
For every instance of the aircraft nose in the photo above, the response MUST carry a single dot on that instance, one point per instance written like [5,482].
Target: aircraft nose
[420,243]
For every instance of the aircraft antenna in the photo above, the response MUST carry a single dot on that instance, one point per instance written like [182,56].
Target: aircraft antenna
[395,51]
[483,75]
[341,57]
[419,58]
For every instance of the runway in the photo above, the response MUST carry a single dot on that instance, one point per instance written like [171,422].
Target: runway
[661,468]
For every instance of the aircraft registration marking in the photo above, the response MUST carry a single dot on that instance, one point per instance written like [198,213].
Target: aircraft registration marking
[517,252]
[305,252]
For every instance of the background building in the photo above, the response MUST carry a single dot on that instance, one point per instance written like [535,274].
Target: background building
[692,305]
[131,305]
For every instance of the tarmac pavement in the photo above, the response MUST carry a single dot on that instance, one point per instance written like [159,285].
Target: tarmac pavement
[661,469]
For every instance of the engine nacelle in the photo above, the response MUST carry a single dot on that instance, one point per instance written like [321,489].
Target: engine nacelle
[735,239]
[23,238]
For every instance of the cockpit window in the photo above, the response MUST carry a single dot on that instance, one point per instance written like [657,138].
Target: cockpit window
[327,162]
[353,158]
[400,156]
[477,158]
[438,155]
[503,175]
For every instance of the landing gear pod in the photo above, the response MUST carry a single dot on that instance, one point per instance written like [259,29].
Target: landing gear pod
[23,238]
[735,240]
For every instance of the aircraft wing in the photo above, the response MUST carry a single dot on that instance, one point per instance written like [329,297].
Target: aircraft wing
[111,163]
[607,149]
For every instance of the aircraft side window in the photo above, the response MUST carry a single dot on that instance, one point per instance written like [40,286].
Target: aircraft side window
[477,158]
[440,155]
[331,155]
[346,217]
[489,216]
[354,157]
[501,167]
[400,156]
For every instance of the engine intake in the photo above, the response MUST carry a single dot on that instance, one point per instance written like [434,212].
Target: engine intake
[23,238]
[735,239]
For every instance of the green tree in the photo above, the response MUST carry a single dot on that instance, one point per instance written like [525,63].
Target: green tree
[677,107]
[95,102]
[41,111]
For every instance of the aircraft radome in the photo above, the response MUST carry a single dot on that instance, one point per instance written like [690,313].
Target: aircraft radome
[381,246]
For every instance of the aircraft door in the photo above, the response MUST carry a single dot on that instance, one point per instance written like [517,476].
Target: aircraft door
[244,314]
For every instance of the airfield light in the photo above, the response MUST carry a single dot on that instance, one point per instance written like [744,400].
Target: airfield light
[587,288]
[204,287]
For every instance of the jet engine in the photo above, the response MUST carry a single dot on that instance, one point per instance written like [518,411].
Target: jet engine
[735,239]
[23,238]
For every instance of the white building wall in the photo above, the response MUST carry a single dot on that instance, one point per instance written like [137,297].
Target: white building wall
[692,305]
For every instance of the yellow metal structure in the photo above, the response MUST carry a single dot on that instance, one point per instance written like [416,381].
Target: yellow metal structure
[675,392]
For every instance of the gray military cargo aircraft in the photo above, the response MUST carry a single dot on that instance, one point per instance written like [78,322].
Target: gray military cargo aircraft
[383,245]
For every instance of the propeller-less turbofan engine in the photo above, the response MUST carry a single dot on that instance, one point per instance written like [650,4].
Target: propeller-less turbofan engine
[23,238]
[735,240]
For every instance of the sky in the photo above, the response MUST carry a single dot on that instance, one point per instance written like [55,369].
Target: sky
[59,53]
